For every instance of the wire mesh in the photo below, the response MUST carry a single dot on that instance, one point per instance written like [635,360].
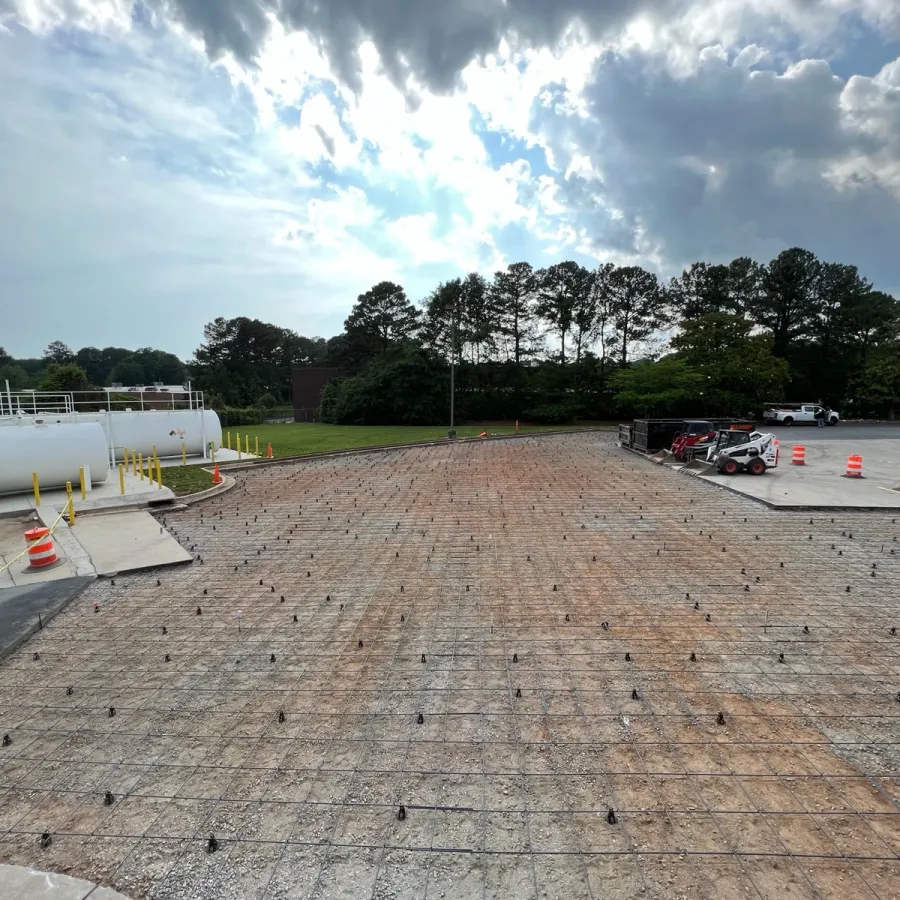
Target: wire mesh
[628,681]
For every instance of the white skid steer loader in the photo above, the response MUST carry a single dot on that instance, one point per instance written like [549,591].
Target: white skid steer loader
[741,451]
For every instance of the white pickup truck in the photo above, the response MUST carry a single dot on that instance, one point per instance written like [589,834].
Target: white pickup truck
[800,414]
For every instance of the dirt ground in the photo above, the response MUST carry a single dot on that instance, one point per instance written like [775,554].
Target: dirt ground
[568,620]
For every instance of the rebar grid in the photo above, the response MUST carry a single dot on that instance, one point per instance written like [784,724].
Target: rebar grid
[524,571]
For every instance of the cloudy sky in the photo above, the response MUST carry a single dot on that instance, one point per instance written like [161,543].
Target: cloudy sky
[170,161]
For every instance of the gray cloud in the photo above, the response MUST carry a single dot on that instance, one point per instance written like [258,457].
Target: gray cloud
[432,40]
[729,161]
[326,138]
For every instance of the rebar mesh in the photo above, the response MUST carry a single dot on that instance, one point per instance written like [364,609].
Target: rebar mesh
[537,602]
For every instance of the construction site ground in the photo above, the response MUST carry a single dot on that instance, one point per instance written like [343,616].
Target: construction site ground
[540,667]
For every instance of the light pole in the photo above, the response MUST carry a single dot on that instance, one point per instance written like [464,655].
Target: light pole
[452,432]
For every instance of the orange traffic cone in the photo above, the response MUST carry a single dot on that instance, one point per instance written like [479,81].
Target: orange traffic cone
[217,476]
[269,453]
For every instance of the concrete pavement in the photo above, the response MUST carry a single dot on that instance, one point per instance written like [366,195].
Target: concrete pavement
[819,483]
[22,883]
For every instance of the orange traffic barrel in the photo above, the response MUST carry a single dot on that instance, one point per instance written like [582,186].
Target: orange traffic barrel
[41,551]
[854,467]
[799,456]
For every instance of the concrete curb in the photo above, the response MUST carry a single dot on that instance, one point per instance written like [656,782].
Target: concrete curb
[68,542]
[384,448]
[228,482]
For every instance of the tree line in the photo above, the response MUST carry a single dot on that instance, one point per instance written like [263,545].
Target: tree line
[61,369]
[550,344]
[564,342]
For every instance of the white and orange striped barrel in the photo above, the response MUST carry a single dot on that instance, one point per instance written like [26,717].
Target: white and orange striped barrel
[854,467]
[799,456]
[41,551]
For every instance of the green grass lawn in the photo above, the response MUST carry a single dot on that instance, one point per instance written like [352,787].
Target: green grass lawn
[185,479]
[297,439]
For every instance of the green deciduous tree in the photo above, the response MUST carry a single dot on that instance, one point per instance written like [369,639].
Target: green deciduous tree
[876,388]
[739,371]
[241,359]
[64,377]
[58,352]
[405,386]
[667,387]
[16,376]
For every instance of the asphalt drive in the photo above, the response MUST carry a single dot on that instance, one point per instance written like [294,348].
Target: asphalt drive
[843,431]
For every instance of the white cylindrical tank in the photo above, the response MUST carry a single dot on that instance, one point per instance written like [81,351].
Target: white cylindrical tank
[164,429]
[142,430]
[55,452]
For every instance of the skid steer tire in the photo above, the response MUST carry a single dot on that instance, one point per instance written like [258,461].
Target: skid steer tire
[756,467]
[731,467]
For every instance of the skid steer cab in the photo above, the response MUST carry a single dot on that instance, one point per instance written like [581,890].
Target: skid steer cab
[741,451]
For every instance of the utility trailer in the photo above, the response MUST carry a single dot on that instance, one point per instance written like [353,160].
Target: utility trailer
[652,435]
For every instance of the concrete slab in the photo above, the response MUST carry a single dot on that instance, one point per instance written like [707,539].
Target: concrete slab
[103,496]
[25,609]
[67,544]
[22,883]
[819,484]
[223,455]
[14,571]
[127,542]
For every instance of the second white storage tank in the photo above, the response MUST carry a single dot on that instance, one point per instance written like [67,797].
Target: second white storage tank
[164,429]
[55,452]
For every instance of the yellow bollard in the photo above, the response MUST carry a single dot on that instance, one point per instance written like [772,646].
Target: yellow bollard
[212,451]
[35,483]
[69,503]
[183,453]
[125,456]
[134,462]
[247,444]
[228,439]
[122,480]
[257,446]
[239,446]
[158,474]
[81,479]
[140,465]
[154,451]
